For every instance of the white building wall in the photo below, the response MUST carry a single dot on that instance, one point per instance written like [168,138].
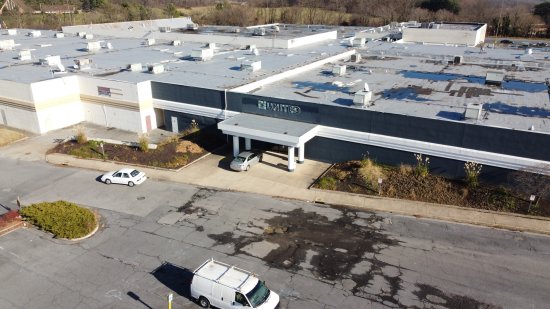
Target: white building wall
[443,36]
[17,107]
[145,99]
[111,103]
[57,103]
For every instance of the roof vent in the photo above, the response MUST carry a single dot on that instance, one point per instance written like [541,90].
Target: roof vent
[59,35]
[165,29]
[50,60]
[528,51]
[24,55]
[89,36]
[93,46]
[35,34]
[176,43]
[251,66]
[202,54]
[149,41]
[363,97]
[12,31]
[155,68]
[7,44]
[259,32]
[134,67]
[355,58]
[358,42]
[494,78]
[473,111]
[339,70]
[458,60]
[193,27]
[83,64]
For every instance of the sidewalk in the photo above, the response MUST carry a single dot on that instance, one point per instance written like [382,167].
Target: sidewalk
[269,178]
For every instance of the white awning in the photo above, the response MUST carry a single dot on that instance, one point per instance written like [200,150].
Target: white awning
[268,129]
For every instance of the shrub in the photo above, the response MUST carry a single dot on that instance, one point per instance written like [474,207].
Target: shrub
[503,199]
[80,135]
[61,218]
[143,142]
[405,169]
[370,173]
[472,172]
[327,183]
[422,167]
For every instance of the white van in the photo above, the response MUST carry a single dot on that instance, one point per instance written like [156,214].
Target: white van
[225,286]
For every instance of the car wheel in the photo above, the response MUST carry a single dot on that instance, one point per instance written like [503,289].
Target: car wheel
[203,302]
[130,183]
[108,181]
[247,168]
[261,158]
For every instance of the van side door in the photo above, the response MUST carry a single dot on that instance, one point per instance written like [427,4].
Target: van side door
[217,298]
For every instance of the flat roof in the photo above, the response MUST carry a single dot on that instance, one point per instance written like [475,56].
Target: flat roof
[417,80]
[280,131]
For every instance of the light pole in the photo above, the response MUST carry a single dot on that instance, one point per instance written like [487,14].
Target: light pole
[102,150]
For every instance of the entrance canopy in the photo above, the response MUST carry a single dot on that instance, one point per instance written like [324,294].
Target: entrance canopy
[268,129]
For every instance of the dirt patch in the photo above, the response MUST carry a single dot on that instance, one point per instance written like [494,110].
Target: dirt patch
[173,154]
[8,136]
[405,184]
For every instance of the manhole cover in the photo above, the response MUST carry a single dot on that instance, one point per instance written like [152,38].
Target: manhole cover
[140,198]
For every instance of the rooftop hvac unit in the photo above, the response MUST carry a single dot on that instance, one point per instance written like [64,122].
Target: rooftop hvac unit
[275,28]
[236,30]
[134,67]
[59,35]
[494,78]
[108,45]
[259,32]
[149,41]
[81,34]
[363,98]
[250,47]
[251,66]
[165,29]
[83,64]
[339,70]
[528,51]
[211,45]
[176,42]
[12,31]
[193,27]
[355,58]
[358,42]
[7,44]
[93,46]
[202,54]
[473,111]
[458,60]
[155,68]
[50,60]
[89,36]
[34,34]
[24,55]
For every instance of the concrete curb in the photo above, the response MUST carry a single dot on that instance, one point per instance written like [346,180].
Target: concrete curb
[509,221]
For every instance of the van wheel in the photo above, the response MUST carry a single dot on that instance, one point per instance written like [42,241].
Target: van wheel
[203,302]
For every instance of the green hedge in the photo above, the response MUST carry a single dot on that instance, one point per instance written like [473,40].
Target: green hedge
[63,219]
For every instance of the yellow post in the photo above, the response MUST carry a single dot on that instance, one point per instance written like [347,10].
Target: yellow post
[170,297]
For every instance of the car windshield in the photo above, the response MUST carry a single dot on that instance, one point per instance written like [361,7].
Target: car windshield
[239,159]
[134,173]
[258,295]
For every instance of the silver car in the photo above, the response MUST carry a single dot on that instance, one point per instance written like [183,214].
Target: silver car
[245,160]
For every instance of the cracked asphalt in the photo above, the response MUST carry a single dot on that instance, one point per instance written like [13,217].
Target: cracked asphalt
[315,256]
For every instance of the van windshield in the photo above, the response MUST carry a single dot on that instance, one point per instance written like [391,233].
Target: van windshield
[258,295]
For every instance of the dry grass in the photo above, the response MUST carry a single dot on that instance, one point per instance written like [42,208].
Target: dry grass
[370,172]
[187,146]
[8,136]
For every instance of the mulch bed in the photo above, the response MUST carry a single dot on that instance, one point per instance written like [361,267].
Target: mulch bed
[173,153]
[435,189]
[10,221]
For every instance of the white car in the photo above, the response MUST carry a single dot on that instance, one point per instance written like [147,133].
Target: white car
[245,160]
[125,176]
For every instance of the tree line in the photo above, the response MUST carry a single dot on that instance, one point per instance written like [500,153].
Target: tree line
[503,17]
